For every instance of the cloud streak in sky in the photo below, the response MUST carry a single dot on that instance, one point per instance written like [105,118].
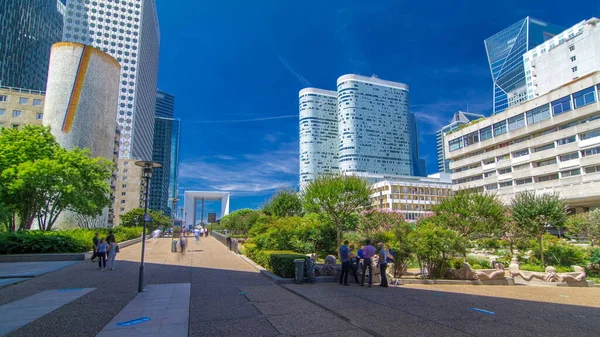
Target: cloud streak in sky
[300,78]
[259,119]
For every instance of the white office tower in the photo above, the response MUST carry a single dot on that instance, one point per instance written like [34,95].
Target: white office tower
[569,55]
[318,133]
[127,30]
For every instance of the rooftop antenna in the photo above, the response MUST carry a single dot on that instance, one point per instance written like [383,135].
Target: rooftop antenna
[467,106]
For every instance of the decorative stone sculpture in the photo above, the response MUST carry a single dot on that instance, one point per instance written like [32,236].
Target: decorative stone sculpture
[330,268]
[550,274]
[464,273]
[491,274]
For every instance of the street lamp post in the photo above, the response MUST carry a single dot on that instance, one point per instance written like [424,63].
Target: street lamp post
[174,212]
[147,167]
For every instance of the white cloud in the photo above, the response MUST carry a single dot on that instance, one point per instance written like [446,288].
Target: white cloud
[300,78]
[258,119]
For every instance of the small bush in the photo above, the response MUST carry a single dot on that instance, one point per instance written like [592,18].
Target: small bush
[482,263]
[595,257]
[282,265]
[564,255]
[457,262]
[490,243]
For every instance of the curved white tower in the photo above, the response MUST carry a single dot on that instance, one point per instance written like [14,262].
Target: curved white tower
[318,133]
[377,131]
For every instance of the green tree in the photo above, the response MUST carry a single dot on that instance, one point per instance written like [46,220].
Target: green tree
[241,220]
[337,198]
[378,220]
[535,213]
[135,218]
[284,203]
[585,225]
[435,246]
[471,213]
[42,183]
[403,247]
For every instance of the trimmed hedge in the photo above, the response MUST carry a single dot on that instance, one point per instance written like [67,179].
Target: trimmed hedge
[280,262]
[61,241]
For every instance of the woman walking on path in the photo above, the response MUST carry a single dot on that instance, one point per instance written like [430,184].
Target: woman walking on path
[102,249]
[113,249]
[182,243]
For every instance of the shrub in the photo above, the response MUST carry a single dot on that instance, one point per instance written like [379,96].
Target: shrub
[481,263]
[457,262]
[282,265]
[594,257]
[490,243]
[558,254]
[435,246]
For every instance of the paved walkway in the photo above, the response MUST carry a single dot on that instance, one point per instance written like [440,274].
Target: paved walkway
[229,298]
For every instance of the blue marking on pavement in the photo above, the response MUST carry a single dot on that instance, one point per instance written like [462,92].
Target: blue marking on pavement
[69,289]
[243,292]
[134,321]
[482,311]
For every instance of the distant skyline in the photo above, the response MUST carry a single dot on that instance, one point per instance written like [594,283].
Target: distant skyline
[236,69]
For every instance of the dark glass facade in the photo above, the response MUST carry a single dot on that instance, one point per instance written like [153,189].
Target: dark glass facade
[28,29]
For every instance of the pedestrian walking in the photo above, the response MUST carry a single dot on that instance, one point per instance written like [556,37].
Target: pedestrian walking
[110,236]
[102,249]
[197,234]
[113,250]
[345,258]
[354,263]
[383,261]
[95,241]
[182,242]
[368,253]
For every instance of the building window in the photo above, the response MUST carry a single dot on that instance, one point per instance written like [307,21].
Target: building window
[549,177]
[561,105]
[523,181]
[571,47]
[124,186]
[485,133]
[521,167]
[15,126]
[23,100]
[121,209]
[489,161]
[125,170]
[37,102]
[489,174]
[544,147]
[126,163]
[538,114]
[124,178]
[516,122]
[545,162]
[505,183]
[123,193]
[565,141]
[569,156]
[573,58]
[2,112]
[491,187]
[502,158]
[591,134]
[16,113]
[592,169]
[39,116]
[584,97]
[504,171]
[122,201]
[499,128]
[570,173]
[590,152]
[471,138]
[574,69]
[3,98]
[455,144]
[521,153]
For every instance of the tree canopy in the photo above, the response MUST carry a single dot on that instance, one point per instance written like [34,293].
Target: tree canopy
[586,225]
[284,203]
[40,179]
[135,218]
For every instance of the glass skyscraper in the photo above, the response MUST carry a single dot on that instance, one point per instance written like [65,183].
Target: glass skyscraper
[505,56]
[163,186]
[28,28]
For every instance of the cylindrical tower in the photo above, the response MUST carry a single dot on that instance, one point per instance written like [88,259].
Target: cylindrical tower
[318,133]
[81,101]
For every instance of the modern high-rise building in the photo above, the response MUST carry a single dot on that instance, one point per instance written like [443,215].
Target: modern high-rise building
[29,29]
[163,187]
[572,54]
[459,118]
[505,56]
[545,145]
[318,133]
[20,107]
[377,132]
[127,30]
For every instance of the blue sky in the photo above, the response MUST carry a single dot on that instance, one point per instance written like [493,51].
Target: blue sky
[236,67]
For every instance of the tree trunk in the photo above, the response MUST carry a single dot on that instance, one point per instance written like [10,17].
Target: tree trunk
[339,240]
[541,243]
[512,253]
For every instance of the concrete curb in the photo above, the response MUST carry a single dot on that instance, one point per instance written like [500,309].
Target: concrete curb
[58,257]
[281,280]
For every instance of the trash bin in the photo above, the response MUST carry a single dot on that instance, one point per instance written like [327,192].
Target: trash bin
[299,278]
[174,246]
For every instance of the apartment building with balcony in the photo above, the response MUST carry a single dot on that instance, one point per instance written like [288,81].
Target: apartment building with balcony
[20,107]
[548,144]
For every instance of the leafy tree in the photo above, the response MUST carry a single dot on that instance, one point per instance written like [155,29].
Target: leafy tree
[378,220]
[337,198]
[43,182]
[471,213]
[586,225]
[241,220]
[284,203]
[135,218]
[402,248]
[534,214]
[435,246]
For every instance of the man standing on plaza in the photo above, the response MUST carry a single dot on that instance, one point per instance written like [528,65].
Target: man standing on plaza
[345,258]
[368,254]
[383,261]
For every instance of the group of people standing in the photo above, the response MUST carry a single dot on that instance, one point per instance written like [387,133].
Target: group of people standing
[105,248]
[364,257]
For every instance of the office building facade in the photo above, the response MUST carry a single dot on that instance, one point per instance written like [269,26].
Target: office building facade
[20,107]
[318,133]
[505,56]
[548,144]
[29,29]
[459,118]
[413,197]
[569,55]
[128,31]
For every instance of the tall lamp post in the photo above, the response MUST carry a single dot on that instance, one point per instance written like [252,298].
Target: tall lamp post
[174,213]
[147,167]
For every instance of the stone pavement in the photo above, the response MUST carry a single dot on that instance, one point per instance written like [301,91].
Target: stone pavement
[229,298]
[15,272]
